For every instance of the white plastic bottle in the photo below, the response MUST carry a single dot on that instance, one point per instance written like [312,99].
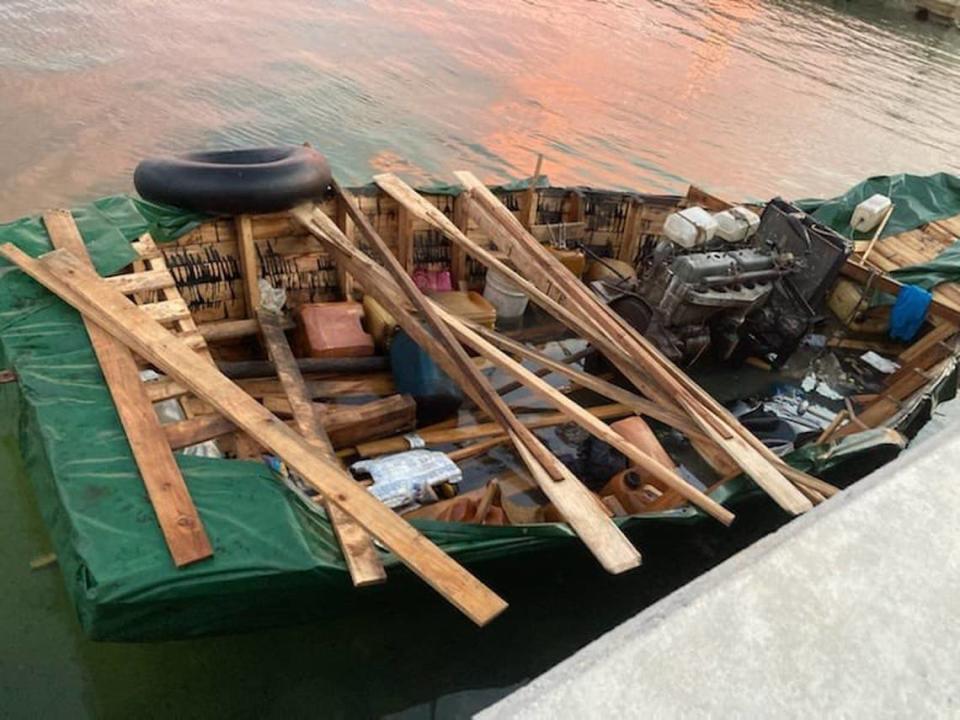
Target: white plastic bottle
[691,227]
[736,224]
[867,215]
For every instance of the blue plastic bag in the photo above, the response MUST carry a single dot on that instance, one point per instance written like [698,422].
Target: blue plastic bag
[909,312]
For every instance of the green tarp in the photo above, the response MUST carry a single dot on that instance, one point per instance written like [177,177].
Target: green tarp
[917,200]
[275,560]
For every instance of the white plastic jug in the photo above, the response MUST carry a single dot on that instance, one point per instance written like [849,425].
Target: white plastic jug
[736,224]
[867,215]
[691,227]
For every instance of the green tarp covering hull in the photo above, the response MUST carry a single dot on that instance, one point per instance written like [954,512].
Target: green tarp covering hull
[275,560]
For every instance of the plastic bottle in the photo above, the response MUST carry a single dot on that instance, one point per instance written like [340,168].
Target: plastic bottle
[867,215]
[736,224]
[690,228]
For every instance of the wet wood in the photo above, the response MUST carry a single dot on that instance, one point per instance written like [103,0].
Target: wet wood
[61,273]
[177,516]
[359,553]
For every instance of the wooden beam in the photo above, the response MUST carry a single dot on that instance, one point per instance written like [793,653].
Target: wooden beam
[887,284]
[359,553]
[482,430]
[178,517]
[630,243]
[346,425]
[247,250]
[352,424]
[142,281]
[61,273]
[558,231]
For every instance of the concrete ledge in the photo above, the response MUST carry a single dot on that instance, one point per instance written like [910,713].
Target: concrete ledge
[851,610]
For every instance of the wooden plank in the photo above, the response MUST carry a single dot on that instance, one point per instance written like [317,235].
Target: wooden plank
[61,273]
[444,436]
[359,553]
[458,259]
[192,431]
[346,226]
[577,505]
[943,331]
[146,249]
[167,312]
[247,251]
[887,284]
[405,247]
[558,233]
[222,330]
[630,244]
[338,421]
[142,281]
[179,521]
[351,424]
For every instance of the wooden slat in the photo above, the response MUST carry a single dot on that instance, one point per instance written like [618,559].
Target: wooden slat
[248,264]
[630,243]
[359,552]
[167,312]
[142,281]
[192,431]
[549,233]
[60,272]
[483,430]
[178,518]
[146,248]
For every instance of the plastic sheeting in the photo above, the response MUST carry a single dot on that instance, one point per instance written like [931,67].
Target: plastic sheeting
[275,561]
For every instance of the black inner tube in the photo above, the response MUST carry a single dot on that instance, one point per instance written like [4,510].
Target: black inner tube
[230,182]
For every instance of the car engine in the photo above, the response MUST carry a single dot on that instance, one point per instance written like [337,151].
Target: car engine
[758,296]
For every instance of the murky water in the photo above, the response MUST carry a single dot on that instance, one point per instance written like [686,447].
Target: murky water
[748,98]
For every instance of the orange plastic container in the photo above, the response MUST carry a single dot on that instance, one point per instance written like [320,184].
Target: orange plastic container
[327,330]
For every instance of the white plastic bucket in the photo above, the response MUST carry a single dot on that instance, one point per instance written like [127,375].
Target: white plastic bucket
[506,297]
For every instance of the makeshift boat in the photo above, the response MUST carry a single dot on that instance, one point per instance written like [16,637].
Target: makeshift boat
[246,540]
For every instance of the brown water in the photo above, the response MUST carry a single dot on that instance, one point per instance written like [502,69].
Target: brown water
[747,98]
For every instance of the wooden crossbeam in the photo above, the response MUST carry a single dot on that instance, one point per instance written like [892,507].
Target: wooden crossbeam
[179,520]
[60,272]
